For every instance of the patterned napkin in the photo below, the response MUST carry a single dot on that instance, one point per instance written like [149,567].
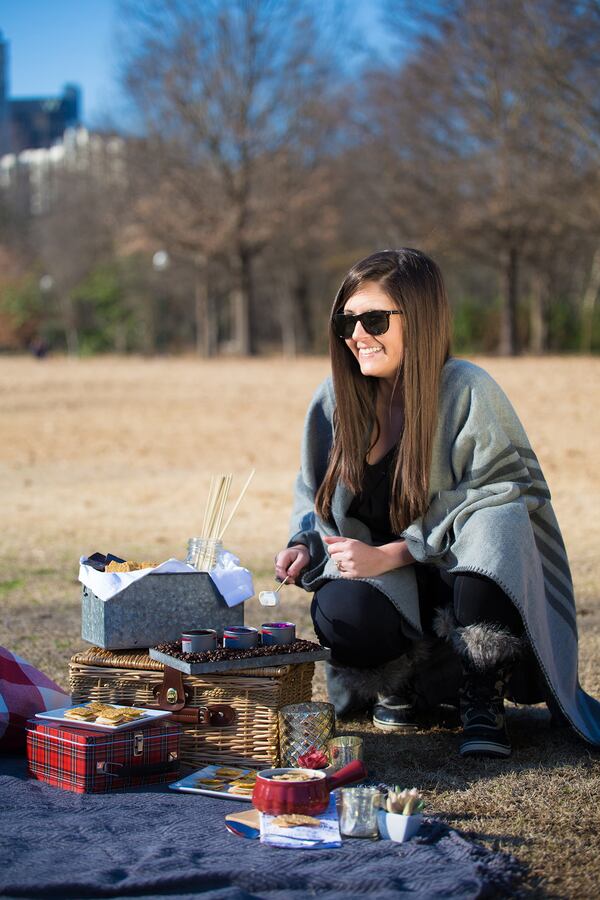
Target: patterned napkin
[304,836]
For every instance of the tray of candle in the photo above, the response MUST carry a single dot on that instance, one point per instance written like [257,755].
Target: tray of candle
[224,659]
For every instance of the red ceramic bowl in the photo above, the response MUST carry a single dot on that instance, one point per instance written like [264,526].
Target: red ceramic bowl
[308,798]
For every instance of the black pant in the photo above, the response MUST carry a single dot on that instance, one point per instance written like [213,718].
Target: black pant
[363,628]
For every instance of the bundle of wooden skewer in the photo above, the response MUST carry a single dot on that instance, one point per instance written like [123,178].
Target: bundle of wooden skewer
[204,550]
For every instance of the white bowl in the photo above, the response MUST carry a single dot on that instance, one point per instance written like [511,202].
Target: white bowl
[396,827]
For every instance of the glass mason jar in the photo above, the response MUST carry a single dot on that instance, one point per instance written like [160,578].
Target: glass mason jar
[202,553]
[360,806]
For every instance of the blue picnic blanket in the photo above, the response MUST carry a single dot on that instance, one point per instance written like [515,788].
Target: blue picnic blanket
[155,843]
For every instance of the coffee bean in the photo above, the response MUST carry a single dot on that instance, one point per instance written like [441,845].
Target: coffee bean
[229,653]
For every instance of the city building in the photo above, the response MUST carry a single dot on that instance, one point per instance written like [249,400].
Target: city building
[32,180]
[33,123]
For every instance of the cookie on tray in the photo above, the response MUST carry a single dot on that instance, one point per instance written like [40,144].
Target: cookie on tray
[226,772]
[110,717]
[98,707]
[80,714]
[130,713]
[110,720]
[243,790]
[112,712]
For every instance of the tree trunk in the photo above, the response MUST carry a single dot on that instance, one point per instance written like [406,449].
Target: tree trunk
[508,333]
[589,303]
[146,319]
[69,318]
[120,340]
[242,305]
[239,316]
[286,318]
[204,312]
[303,316]
[538,330]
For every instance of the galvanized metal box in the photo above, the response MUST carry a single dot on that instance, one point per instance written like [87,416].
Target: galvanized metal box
[154,609]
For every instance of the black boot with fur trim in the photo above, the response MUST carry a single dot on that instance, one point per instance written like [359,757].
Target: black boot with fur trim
[386,688]
[482,713]
[396,712]
[488,653]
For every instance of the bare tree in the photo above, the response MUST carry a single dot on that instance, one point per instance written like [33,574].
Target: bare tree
[481,130]
[224,90]
[309,229]
[565,48]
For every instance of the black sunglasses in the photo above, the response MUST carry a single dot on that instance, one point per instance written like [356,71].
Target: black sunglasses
[376,321]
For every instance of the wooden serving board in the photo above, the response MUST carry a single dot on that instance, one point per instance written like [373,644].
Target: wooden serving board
[234,665]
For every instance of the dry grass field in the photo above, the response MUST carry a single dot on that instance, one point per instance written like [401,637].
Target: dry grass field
[116,454]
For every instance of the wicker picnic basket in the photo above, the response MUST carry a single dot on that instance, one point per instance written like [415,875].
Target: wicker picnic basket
[256,695]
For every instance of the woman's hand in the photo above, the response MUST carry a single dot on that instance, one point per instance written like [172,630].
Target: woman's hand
[289,563]
[355,559]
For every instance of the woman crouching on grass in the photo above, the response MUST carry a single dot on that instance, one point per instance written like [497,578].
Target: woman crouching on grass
[423,524]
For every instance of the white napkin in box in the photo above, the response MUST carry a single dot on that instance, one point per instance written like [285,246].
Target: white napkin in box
[231,580]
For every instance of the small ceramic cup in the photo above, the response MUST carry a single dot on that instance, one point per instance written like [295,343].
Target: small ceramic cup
[240,637]
[278,632]
[198,640]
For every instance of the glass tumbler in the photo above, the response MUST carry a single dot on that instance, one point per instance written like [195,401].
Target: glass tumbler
[302,726]
[360,805]
[344,749]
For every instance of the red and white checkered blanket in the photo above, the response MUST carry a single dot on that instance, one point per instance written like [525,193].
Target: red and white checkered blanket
[24,691]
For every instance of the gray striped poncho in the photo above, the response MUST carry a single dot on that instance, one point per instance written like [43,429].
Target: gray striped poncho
[489,512]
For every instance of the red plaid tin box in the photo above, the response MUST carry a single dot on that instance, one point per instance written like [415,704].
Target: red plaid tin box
[88,761]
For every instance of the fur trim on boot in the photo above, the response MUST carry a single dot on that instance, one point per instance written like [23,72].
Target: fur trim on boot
[483,646]
[353,689]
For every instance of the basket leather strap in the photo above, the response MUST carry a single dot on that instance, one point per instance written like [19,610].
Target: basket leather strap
[171,695]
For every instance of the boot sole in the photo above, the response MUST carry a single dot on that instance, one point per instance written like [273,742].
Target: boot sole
[484,748]
[386,726]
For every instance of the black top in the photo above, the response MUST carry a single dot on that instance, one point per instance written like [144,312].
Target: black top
[372,505]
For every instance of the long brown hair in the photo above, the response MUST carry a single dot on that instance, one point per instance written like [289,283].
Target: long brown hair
[414,283]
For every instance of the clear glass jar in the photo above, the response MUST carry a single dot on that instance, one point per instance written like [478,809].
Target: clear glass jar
[202,553]
[360,806]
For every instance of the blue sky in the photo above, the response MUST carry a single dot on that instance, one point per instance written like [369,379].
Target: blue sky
[53,42]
